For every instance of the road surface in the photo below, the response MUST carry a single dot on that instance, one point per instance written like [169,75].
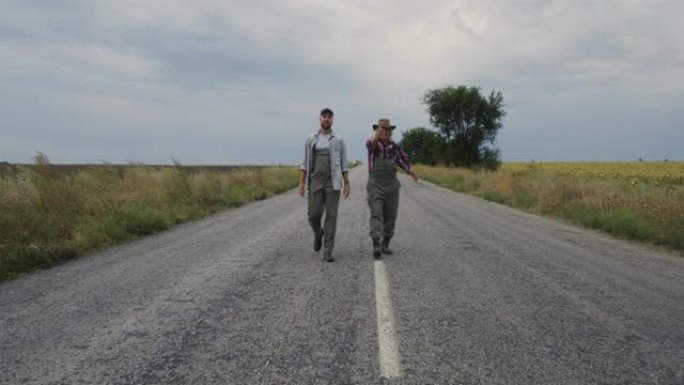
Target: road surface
[477,293]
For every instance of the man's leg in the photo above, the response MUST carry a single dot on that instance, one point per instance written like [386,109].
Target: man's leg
[390,208]
[375,204]
[315,213]
[332,202]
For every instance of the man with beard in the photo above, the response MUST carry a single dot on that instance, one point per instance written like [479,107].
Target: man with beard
[324,170]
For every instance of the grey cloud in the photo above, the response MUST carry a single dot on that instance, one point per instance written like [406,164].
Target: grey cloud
[216,62]
[218,59]
[461,24]
[221,83]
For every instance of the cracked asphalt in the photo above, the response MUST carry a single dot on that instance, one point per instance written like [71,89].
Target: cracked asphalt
[480,293]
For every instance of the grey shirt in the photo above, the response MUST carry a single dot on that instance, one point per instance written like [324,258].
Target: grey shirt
[338,158]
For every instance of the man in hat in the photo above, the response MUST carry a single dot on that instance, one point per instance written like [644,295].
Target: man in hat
[383,186]
[324,170]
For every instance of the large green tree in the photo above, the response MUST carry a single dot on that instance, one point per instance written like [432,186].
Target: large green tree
[422,145]
[469,123]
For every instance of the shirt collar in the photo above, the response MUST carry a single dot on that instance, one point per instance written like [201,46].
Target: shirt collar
[332,133]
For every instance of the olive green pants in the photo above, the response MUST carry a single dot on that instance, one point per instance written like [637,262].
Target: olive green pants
[323,198]
[383,213]
[383,197]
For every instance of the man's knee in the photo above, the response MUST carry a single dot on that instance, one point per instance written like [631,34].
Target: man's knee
[315,211]
[315,215]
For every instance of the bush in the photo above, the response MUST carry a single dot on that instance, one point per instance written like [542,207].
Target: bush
[17,259]
[142,219]
[623,222]
[493,195]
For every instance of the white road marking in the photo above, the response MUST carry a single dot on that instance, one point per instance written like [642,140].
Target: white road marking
[387,339]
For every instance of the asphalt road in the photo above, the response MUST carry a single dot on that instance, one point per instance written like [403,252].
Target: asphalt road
[476,293]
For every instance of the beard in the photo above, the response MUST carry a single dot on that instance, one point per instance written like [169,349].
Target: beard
[326,125]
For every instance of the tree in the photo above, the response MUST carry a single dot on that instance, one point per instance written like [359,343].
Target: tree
[469,122]
[422,145]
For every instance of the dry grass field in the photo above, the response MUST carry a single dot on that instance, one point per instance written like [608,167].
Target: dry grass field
[635,200]
[52,213]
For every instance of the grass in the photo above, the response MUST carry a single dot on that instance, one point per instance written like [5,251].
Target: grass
[637,201]
[51,214]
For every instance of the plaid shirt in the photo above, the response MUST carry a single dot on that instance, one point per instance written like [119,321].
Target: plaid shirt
[389,150]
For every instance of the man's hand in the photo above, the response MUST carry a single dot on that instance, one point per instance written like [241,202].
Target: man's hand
[415,176]
[302,182]
[345,190]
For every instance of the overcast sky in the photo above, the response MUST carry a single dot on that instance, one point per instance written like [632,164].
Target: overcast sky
[237,82]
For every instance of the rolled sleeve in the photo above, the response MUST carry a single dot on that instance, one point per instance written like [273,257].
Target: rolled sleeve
[371,152]
[307,154]
[303,165]
[370,146]
[343,151]
[402,159]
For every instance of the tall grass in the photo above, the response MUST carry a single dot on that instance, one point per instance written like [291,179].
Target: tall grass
[646,205]
[48,215]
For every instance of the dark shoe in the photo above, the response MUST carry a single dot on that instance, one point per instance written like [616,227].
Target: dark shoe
[318,240]
[385,246]
[377,249]
[327,256]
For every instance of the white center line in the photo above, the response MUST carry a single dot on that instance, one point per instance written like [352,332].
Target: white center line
[387,340]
